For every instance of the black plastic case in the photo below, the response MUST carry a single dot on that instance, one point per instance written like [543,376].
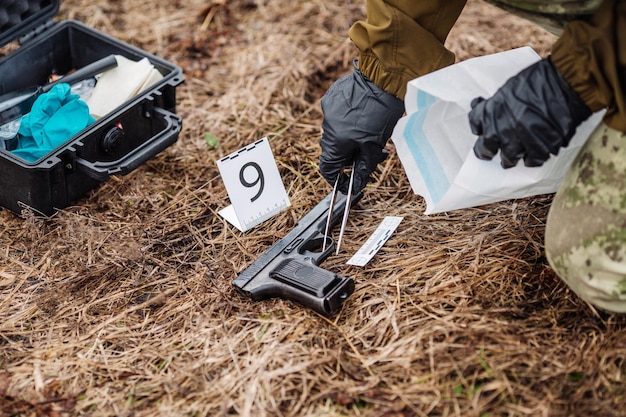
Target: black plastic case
[149,123]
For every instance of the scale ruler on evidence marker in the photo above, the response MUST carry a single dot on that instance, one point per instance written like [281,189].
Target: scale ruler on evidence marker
[265,213]
[376,241]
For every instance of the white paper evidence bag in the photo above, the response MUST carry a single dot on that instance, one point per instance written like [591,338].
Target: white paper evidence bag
[434,141]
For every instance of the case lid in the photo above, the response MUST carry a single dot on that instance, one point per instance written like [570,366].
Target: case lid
[18,17]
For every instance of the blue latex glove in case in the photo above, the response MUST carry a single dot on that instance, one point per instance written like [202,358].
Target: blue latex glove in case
[56,116]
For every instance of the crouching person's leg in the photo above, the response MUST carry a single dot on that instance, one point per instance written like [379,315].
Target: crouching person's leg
[586,227]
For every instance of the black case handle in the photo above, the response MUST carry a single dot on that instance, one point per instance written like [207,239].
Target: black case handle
[101,171]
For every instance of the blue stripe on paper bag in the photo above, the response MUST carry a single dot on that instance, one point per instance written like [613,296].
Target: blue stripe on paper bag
[423,153]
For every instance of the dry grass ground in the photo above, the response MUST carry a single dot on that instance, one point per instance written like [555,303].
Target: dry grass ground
[122,304]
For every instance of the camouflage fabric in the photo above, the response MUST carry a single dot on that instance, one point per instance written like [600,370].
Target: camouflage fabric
[551,15]
[586,227]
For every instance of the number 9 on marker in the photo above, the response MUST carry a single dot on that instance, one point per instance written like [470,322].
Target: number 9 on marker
[253,183]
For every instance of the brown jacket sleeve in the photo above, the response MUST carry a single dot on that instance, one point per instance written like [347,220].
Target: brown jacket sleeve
[403,39]
[591,56]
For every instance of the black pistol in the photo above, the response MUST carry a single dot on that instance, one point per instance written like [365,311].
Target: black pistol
[289,268]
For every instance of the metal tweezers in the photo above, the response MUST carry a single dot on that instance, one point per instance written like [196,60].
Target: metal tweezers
[346,210]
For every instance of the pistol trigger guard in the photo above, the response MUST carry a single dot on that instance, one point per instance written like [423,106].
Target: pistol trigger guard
[330,245]
[314,249]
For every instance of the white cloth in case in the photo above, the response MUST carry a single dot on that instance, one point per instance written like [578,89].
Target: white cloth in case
[119,84]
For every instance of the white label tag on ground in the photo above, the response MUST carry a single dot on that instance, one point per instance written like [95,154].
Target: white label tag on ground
[376,241]
[254,186]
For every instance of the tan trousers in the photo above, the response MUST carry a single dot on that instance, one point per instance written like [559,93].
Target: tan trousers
[586,227]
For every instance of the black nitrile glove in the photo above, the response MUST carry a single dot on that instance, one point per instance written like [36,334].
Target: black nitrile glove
[359,117]
[531,116]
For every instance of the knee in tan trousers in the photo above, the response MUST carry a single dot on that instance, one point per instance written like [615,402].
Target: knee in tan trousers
[586,227]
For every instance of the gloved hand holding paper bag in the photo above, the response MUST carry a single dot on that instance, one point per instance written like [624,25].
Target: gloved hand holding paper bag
[434,140]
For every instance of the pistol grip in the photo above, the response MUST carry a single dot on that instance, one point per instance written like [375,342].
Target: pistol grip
[312,286]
